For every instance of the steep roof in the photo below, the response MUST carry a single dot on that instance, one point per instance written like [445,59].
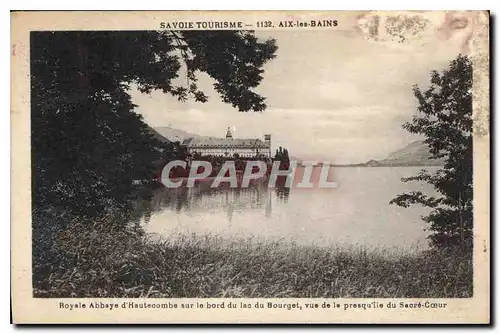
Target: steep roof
[212,142]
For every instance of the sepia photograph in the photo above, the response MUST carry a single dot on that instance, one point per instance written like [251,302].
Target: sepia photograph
[307,157]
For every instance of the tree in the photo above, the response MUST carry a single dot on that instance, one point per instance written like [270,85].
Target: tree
[281,154]
[445,119]
[88,144]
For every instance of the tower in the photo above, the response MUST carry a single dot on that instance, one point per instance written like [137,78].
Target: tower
[228,133]
[267,141]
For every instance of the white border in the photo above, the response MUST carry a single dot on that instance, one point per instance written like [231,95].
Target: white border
[186,5]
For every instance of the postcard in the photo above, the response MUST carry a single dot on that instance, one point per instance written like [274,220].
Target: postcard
[230,167]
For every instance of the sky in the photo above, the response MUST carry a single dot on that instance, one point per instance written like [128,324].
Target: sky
[333,95]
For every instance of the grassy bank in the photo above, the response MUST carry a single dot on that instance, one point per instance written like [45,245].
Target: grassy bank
[98,260]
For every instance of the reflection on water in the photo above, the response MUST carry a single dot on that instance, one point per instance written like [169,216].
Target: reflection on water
[202,197]
[355,213]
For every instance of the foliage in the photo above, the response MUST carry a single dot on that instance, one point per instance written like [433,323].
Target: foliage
[445,119]
[282,155]
[88,143]
[107,261]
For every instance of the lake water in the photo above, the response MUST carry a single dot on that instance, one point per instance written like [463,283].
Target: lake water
[356,213]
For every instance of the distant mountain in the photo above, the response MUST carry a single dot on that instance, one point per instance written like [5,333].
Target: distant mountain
[179,135]
[158,135]
[414,154]
[174,134]
[372,163]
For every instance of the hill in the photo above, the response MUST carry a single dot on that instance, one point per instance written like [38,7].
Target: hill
[414,154]
[158,135]
[174,134]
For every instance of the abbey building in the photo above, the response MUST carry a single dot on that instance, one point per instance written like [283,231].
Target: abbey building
[229,146]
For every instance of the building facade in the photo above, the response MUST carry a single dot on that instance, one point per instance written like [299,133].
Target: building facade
[229,146]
